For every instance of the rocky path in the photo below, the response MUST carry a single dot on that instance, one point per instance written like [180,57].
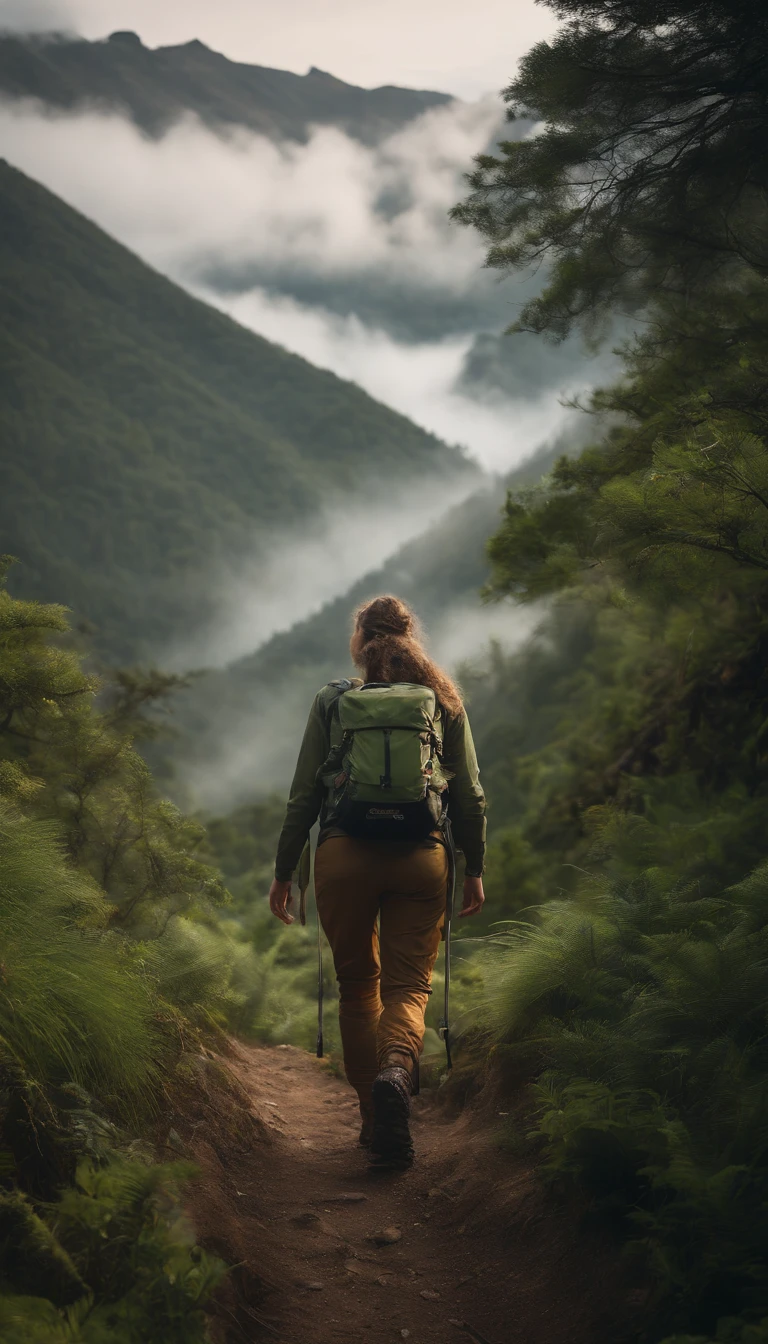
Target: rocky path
[464,1246]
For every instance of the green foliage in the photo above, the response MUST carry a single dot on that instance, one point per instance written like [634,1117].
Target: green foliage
[30,1255]
[645,1000]
[627,744]
[133,1273]
[676,499]
[87,1016]
[156,1290]
[646,172]
[77,767]
[91,861]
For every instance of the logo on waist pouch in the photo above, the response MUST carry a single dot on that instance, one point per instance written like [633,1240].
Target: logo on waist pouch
[383,814]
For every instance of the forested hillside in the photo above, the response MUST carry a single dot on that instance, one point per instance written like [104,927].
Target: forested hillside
[149,438]
[157,87]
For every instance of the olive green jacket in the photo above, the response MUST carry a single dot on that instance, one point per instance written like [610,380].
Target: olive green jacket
[466,800]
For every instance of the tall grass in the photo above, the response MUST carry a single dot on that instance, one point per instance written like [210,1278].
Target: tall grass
[73,1007]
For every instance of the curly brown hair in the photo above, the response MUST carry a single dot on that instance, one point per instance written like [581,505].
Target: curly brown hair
[386,646]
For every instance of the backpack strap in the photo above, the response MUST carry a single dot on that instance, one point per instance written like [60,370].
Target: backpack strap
[334,691]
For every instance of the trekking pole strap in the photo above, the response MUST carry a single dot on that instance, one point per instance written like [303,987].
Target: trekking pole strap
[445,1030]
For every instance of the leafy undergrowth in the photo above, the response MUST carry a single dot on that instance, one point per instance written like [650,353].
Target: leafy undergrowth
[107,917]
[114,1255]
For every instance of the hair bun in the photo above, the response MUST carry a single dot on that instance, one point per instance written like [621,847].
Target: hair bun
[383,616]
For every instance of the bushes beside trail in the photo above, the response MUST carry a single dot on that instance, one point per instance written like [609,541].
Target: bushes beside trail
[107,921]
[626,750]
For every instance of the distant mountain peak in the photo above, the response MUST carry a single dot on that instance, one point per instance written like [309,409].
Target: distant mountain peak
[126,38]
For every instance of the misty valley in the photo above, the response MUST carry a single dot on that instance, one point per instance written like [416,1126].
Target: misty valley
[278,347]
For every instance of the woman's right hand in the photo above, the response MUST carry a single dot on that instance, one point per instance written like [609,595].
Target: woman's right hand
[280,900]
[474,897]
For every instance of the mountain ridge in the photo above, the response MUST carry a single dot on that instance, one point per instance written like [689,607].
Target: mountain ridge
[157,86]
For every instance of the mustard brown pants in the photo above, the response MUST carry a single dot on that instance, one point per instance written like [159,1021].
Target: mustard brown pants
[382,908]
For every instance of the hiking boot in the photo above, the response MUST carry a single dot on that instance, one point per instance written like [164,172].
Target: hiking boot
[391,1143]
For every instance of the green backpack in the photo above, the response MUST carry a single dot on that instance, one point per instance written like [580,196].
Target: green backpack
[384,779]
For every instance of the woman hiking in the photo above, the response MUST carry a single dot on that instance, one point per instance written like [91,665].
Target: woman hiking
[385,761]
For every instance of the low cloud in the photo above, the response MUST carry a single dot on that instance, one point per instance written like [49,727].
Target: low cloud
[295,575]
[419,379]
[332,207]
[34,16]
[464,635]
[359,224]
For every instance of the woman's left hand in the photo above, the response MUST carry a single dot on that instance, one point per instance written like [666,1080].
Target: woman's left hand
[280,900]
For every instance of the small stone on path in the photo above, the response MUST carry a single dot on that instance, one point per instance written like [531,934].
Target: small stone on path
[429,1295]
[346,1198]
[387,1237]
[310,1284]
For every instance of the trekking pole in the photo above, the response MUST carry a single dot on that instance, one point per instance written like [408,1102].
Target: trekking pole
[304,877]
[445,1031]
[319,1050]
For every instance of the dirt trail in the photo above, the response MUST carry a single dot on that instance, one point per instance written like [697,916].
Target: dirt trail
[483,1253]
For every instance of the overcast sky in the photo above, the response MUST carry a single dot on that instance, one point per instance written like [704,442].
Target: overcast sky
[454,45]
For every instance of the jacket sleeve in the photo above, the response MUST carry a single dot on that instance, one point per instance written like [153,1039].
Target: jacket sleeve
[306,796]
[466,800]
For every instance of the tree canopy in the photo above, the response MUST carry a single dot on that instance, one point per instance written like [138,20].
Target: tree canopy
[646,171]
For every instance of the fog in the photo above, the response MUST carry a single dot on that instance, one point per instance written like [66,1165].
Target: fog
[357,221]
[332,207]
[34,16]
[418,379]
[295,575]
[464,634]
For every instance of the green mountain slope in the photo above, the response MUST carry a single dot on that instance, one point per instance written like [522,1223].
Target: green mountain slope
[146,437]
[156,87]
